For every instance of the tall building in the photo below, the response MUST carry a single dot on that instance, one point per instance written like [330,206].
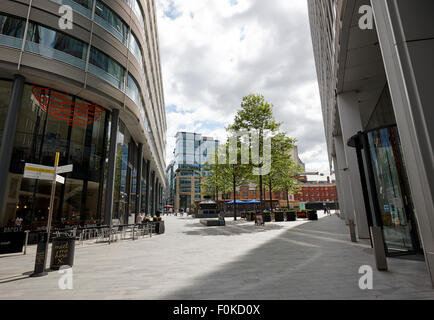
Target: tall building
[170,185]
[375,85]
[191,155]
[91,91]
[295,156]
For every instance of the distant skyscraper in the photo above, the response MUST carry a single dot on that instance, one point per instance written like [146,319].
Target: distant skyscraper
[191,154]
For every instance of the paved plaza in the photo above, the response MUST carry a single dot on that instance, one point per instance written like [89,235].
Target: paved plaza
[284,260]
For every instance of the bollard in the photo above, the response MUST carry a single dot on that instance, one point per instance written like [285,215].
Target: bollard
[26,241]
[134,226]
[379,251]
[352,230]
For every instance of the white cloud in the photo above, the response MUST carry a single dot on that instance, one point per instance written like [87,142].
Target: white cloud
[213,53]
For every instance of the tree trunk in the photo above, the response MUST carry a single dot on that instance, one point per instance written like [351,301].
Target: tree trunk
[217,198]
[271,196]
[265,198]
[235,198]
[287,199]
[261,196]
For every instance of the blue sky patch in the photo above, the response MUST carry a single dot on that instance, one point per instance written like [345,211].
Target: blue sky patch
[172,11]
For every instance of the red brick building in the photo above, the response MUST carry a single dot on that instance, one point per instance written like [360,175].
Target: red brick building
[317,192]
[322,191]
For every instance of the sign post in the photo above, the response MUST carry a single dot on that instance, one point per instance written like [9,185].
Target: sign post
[36,171]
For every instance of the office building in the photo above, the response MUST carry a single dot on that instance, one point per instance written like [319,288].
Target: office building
[191,155]
[375,85]
[92,92]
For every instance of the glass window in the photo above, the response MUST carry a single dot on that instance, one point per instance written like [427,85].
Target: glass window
[120,196]
[113,23]
[185,181]
[85,3]
[11,26]
[391,183]
[57,40]
[38,136]
[133,91]
[137,8]
[135,48]
[110,66]
[56,45]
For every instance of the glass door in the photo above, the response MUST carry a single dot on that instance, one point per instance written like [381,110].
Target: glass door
[392,191]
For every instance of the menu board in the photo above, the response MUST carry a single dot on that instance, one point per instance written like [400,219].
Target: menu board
[62,253]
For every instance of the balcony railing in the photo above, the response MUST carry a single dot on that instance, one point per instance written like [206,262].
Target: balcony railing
[106,76]
[9,41]
[54,54]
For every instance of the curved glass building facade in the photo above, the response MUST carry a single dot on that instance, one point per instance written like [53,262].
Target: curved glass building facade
[94,94]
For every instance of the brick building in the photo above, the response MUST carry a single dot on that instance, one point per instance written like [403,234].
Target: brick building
[317,192]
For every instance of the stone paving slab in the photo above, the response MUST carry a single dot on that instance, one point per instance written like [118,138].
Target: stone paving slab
[283,260]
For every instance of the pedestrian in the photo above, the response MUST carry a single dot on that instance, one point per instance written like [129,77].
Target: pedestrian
[139,218]
[325,209]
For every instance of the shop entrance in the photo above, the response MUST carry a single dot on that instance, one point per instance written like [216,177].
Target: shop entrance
[386,189]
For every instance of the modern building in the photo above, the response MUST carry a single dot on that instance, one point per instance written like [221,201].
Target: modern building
[375,85]
[92,92]
[169,199]
[296,157]
[190,156]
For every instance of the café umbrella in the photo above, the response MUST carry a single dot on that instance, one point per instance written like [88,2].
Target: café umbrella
[237,201]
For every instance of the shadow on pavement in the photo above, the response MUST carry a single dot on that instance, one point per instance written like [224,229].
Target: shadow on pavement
[315,260]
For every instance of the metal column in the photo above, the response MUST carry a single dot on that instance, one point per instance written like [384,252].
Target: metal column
[139,179]
[7,142]
[111,168]
[148,178]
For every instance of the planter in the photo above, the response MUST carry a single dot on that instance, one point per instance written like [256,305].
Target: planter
[278,217]
[291,216]
[11,242]
[159,227]
[267,217]
[312,215]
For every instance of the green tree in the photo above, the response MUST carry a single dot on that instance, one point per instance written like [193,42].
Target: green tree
[287,179]
[281,160]
[213,184]
[255,114]
[230,176]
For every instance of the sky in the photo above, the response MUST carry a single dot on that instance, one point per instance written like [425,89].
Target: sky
[214,52]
